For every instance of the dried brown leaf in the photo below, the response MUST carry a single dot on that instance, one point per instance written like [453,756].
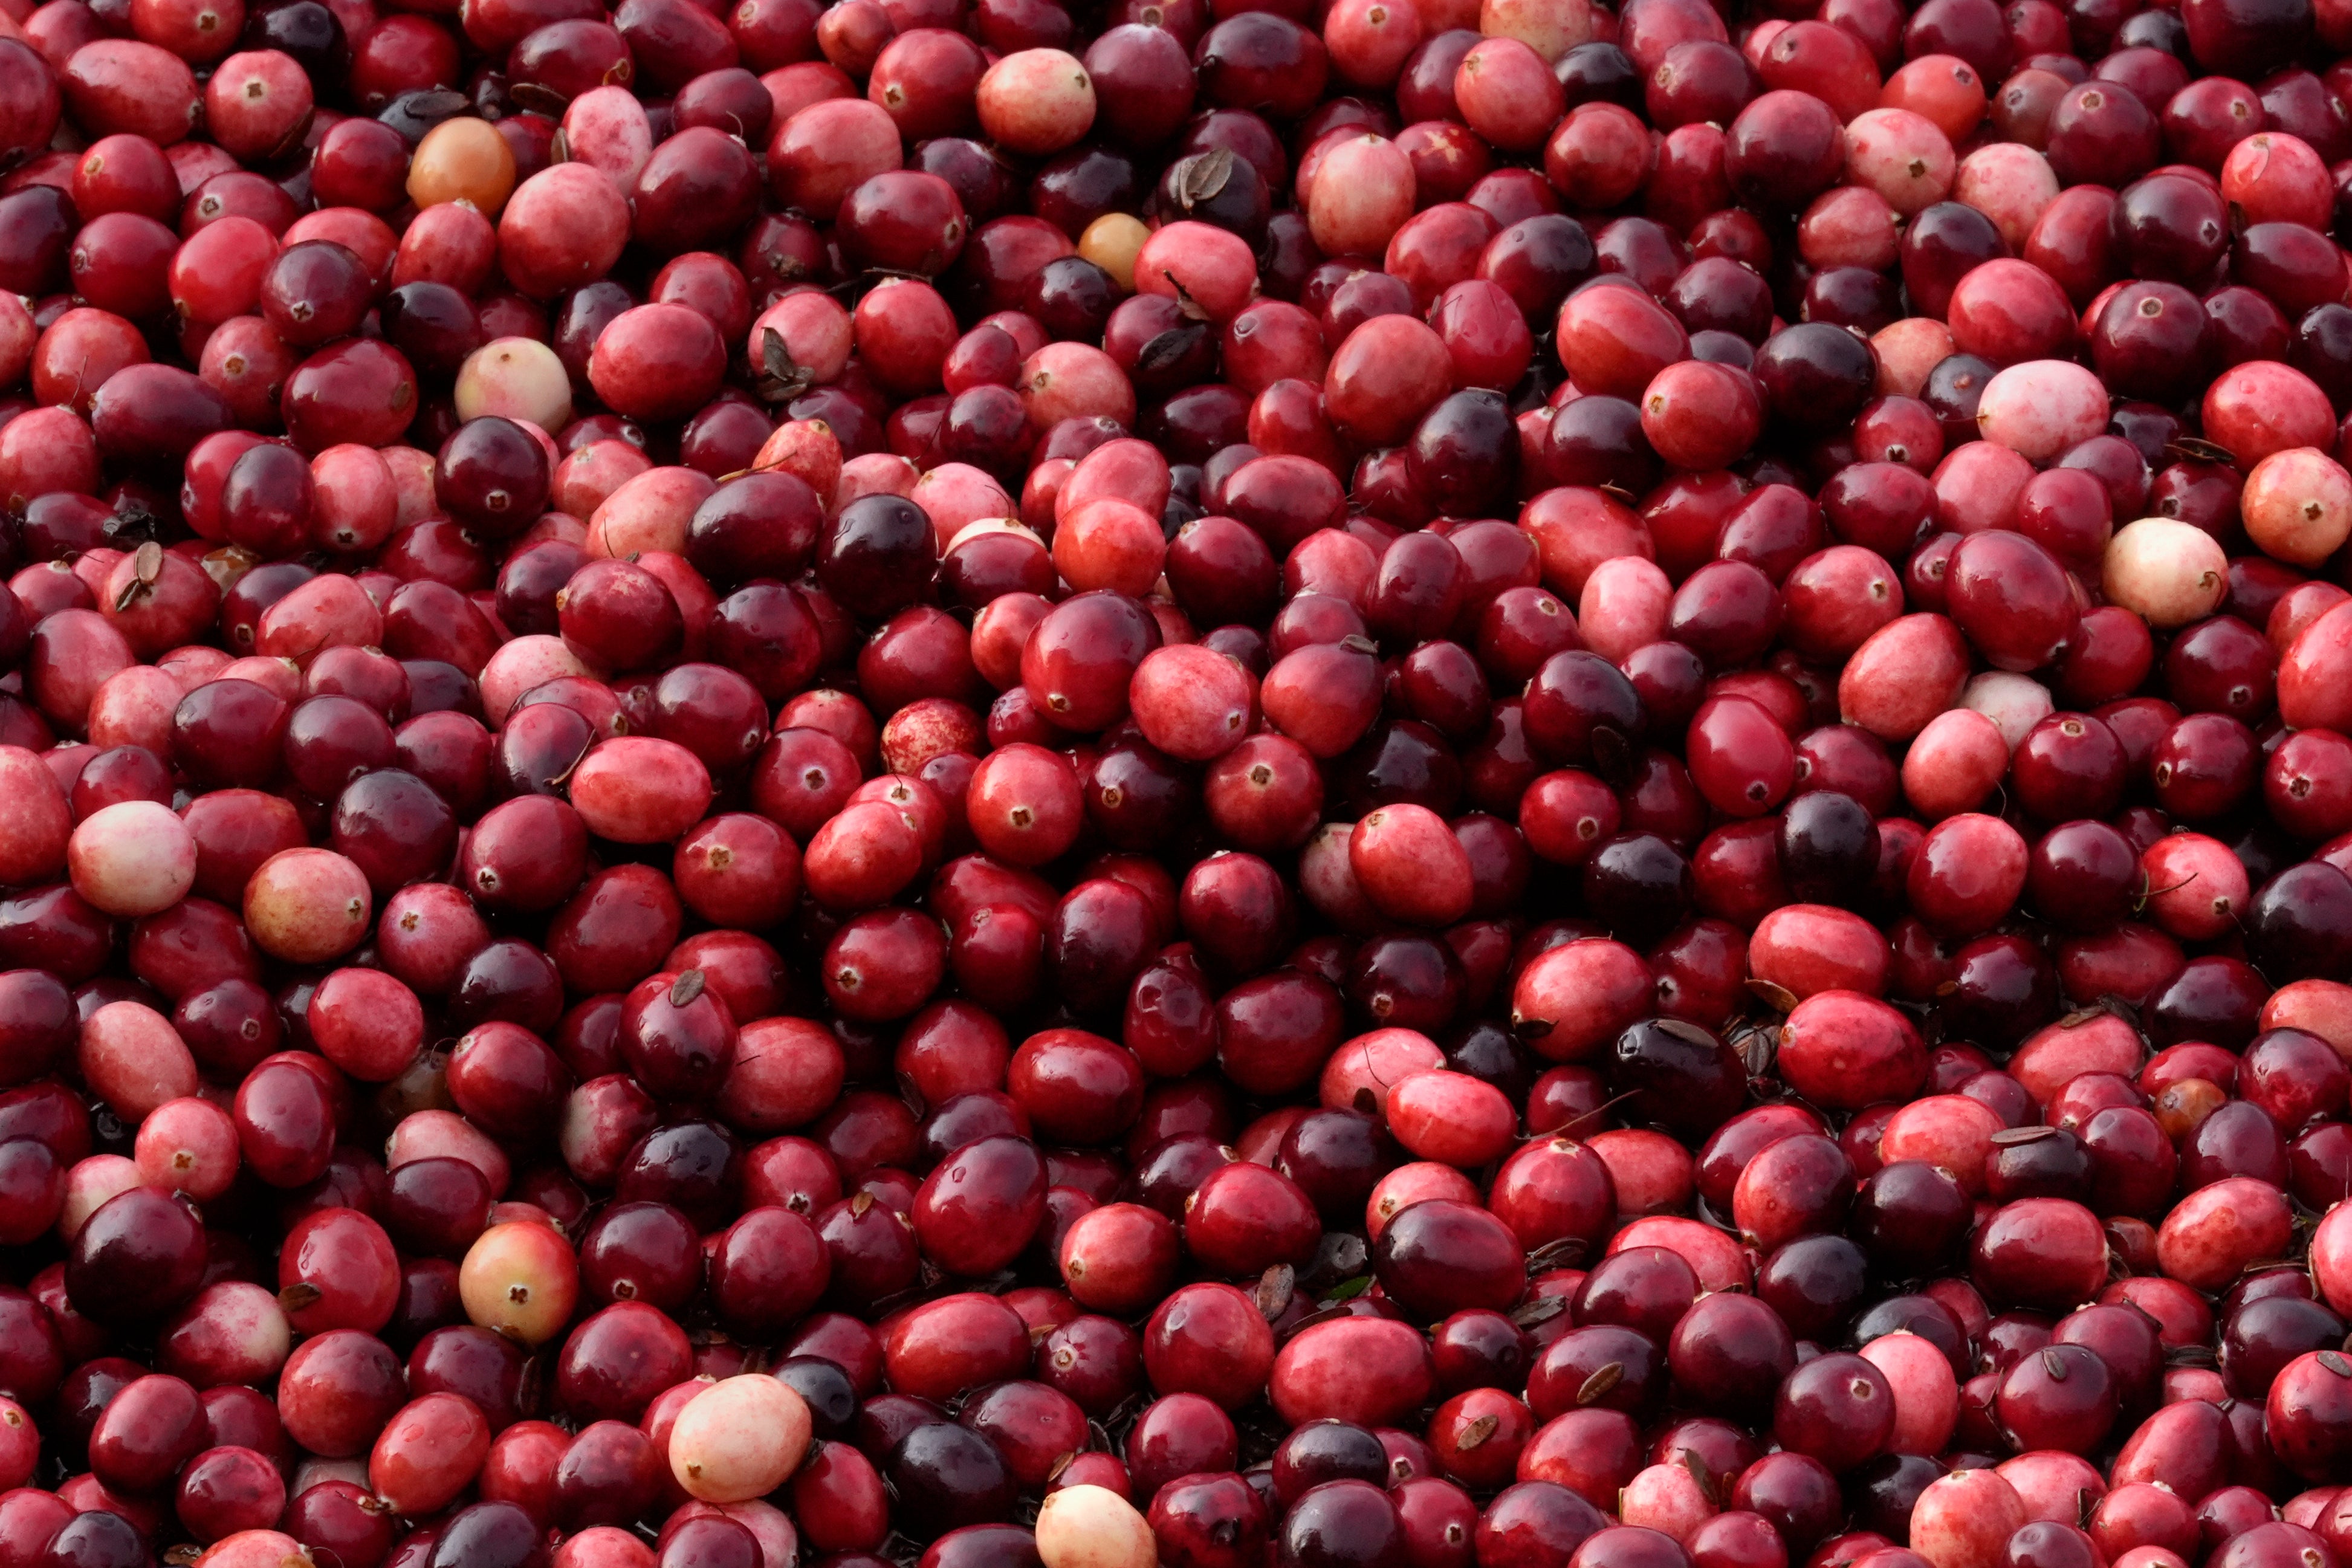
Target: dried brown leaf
[1555,1254]
[1170,349]
[1542,1310]
[1602,1380]
[1274,1290]
[1699,1473]
[1200,178]
[2198,450]
[537,98]
[781,378]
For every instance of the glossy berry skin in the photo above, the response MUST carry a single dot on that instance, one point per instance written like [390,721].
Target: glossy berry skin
[1501,785]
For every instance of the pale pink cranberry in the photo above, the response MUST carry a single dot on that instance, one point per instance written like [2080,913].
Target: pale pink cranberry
[134,708]
[1927,1393]
[1902,155]
[307,906]
[1191,702]
[2322,1008]
[413,479]
[18,336]
[2275,177]
[1902,674]
[1411,866]
[2196,887]
[134,858]
[816,333]
[1327,880]
[1980,486]
[354,505]
[89,1185]
[1953,764]
[134,1060]
[520,666]
[604,1546]
[1363,193]
[592,473]
[2061,1052]
[1074,381]
[1850,226]
[1411,1184]
[875,473]
[2298,506]
[1367,1064]
[806,448]
[2166,572]
[253,1549]
[445,1134]
[1625,605]
[2010,183]
[234,1331]
[1965,1519]
[188,1145]
[515,378]
[2052,1484]
[955,496]
[36,822]
[1666,1497]
[1713,1256]
[607,129]
[1035,101]
[2041,408]
[1907,349]
[2331,1257]
[2015,703]
[739,1439]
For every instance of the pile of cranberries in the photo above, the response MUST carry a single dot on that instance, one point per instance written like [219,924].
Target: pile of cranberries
[1175,784]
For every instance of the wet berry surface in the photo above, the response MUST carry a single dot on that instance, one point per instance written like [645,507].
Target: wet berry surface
[1223,783]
